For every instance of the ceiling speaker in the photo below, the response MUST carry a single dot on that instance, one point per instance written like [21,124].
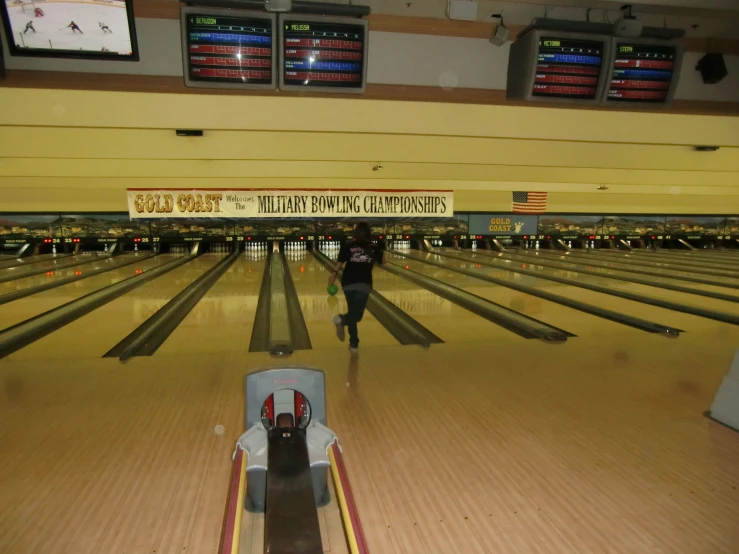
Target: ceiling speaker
[712,68]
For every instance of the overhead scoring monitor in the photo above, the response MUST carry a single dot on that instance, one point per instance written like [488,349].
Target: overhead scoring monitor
[228,48]
[643,71]
[326,54]
[88,29]
[557,66]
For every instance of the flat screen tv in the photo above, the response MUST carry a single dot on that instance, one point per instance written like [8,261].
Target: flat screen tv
[642,72]
[86,29]
[225,48]
[557,66]
[323,54]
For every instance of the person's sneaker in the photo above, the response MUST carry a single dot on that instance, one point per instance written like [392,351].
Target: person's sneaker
[336,320]
[354,350]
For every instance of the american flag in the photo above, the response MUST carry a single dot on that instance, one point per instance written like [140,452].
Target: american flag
[529,202]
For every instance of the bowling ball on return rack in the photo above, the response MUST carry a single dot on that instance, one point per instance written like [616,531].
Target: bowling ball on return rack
[332,289]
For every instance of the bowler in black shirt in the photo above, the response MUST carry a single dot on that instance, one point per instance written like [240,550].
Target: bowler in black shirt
[360,256]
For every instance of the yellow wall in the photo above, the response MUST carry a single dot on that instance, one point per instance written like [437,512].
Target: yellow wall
[80,150]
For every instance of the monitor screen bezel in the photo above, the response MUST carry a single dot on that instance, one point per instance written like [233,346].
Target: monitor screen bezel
[186,11]
[13,50]
[611,67]
[286,18]
[526,51]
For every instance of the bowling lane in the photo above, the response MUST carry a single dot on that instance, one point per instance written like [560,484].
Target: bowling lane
[94,334]
[651,263]
[664,316]
[639,264]
[24,308]
[569,319]
[311,278]
[223,319]
[725,264]
[671,277]
[13,261]
[53,275]
[686,298]
[446,320]
[17,271]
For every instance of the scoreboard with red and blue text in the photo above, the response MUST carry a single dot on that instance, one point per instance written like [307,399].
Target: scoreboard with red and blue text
[549,66]
[228,49]
[643,71]
[323,54]
[583,68]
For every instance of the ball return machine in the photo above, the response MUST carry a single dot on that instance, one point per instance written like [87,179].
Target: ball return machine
[281,468]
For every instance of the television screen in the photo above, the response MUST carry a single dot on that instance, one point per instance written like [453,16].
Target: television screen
[90,29]
[568,68]
[324,54]
[643,72]
[228,48]
[546,65]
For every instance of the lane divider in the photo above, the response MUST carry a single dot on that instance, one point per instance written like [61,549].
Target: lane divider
[234,506]
[349,513]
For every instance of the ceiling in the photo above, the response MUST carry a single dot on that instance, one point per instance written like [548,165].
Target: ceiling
[712,18]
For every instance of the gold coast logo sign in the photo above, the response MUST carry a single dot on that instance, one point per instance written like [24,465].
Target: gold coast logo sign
[505,225]
[186,203]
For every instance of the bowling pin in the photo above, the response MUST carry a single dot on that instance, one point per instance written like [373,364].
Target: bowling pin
[537,245]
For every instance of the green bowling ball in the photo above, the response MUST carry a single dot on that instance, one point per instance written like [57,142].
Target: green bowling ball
[332,289]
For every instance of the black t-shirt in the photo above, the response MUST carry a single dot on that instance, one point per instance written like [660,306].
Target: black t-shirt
[359,260]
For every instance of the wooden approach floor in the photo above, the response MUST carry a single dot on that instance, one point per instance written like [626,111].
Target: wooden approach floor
[595,446]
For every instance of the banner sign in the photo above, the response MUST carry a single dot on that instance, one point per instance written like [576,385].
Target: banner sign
[502,224]
[247,203]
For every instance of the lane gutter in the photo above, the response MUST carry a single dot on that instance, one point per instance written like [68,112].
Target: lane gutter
[260,330]
[15,295]
[580,260]
[92,259]
[684,308]
[398,323]
[522,325]
[631,261]
[146,339]
[298,329]
[618,317]
[24,263]
[22,334]
[677,288]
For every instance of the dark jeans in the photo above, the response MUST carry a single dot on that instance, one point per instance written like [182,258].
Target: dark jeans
[356,301]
